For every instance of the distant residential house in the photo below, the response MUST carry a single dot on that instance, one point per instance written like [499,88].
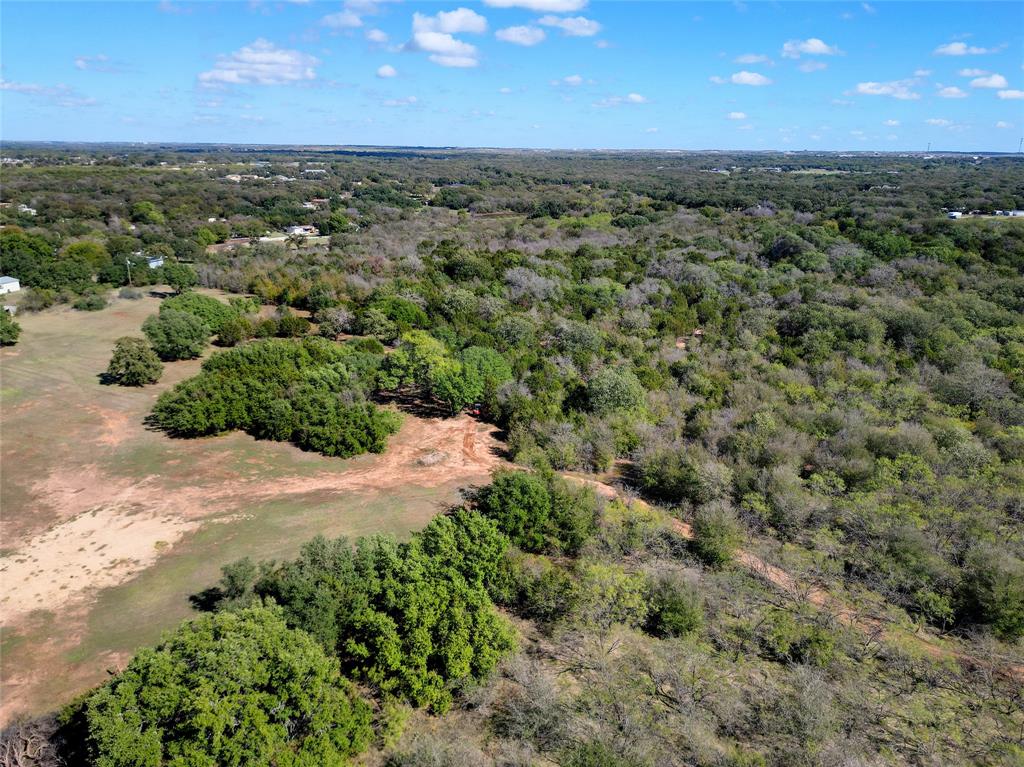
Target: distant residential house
[155,262]
[309,205]
[954,214]
[26,210]
[303,231]
[9,285]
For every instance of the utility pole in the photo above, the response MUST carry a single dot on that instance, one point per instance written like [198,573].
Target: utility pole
[128,263]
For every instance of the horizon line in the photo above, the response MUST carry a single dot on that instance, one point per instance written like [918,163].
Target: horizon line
[8,143]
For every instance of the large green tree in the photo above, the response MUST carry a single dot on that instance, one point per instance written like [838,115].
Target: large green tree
[234,689]
[415,619]
[134,363]
[180,276]
[207,308]
[176,335]
[10,330]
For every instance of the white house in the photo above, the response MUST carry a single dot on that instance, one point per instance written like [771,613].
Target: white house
[9,285]
[155,262]
[303,231]
[26,210]
[954,214]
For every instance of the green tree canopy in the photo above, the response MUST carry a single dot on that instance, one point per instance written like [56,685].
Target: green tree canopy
[180,276]
[235,689]
[176,335]
[615,389]
[134,363]
[207,308]
[9,329]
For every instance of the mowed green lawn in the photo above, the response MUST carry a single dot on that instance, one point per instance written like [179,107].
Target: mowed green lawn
[69,442]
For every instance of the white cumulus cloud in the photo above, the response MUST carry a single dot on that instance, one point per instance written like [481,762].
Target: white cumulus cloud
[446,50]
[990,81]
[341,20]
[897,89]
[939,122]
[1011,94]
[521,35]
[573,26]
[749,78]
[378,36]
[737,116]
[59,95]
[387,71]
[891,123]
[614,101]
[952,92]
[570,80]
[434,35]
[351,15]
[1004,124]
[752,58]
[450,22]
[812,46]
[972,72]
[260,63]
[962,49]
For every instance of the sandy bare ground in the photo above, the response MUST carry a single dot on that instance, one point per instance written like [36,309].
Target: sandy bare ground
[92,551]
[113,528]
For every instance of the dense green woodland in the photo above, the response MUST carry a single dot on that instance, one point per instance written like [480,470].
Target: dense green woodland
[801,358]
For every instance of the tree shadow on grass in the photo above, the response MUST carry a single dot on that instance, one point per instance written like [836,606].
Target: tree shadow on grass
[207,600]
[414,403]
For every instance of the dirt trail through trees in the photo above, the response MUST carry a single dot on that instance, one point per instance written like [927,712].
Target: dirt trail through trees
[872,627]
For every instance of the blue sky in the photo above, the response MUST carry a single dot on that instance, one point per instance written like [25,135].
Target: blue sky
[518,73]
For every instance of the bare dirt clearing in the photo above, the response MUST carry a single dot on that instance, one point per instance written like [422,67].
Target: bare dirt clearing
[107,527]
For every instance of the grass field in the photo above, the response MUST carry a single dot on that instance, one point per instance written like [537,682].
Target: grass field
[108,527]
